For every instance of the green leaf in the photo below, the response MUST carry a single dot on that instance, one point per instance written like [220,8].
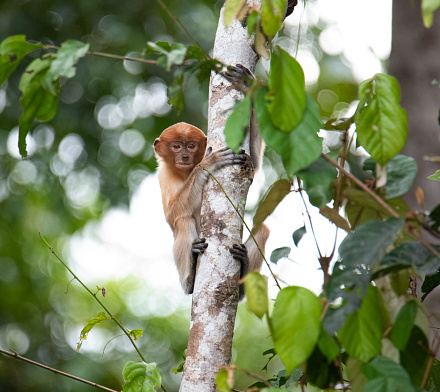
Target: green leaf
[415,357]
[253,22]
[413,254]
[317,180]
[298,148]
[332,214]
[141,377]
[12,50]
[435,176]
[224,384]
[381,123]
[287,96]
[273,12]
[276,193]
[298,235]
[385,375]
[237,123]
[401,172]
[169,55]
[36,101]
[404,324]
[279,253]
[327,345]
[64,63]
[361,207]
[320,372]
[255,286]
[232,7]
[361,335]
[360,252]
[428,9]
[295,325]
[136,333]
[429,284]
[90,324]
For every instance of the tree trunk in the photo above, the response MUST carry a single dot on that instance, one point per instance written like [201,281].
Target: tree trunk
[415,62]
[215,295]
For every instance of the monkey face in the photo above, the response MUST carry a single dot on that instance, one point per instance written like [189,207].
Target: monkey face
[184,153]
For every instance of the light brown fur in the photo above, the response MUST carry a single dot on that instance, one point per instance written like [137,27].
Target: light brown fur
[180,151]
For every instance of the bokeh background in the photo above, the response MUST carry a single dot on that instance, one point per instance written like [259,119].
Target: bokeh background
[89,185]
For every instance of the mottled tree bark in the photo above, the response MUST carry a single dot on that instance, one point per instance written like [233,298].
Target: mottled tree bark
[415,62]
[215,295]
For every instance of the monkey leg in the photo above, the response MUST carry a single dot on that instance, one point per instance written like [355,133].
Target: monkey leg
[239,253]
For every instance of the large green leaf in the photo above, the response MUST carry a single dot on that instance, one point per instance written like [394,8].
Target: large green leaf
[385,375]
[317,180]
[64,63]
[287,96]
[36,101]
[381,123]
[256,293]
[404,324]
[273,12]
[12,51]
[413,254]
[277,192]
[361,334]
[295,325]
[361,207]
[237,123]
[141,377]
[401,171]
[360,252]
[298,148]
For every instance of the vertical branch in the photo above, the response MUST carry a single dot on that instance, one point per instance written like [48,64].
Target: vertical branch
[215,295]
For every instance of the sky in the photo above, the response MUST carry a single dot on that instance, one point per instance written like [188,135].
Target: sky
[137,240]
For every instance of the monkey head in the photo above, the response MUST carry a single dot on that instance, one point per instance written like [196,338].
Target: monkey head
[182,146]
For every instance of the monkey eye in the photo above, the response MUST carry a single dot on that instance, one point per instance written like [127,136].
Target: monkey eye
[191,146]
[177,147]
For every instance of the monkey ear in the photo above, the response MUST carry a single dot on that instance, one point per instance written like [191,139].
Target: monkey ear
[208,151]
[156,142]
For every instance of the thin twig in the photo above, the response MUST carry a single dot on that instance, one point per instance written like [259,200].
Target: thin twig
[94,296]
[362,185]
[112,56]
[15,355]
[247,227]
[379,200]
[177,20]
[247,372]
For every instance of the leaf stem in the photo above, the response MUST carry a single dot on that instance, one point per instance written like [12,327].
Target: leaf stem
[15,355]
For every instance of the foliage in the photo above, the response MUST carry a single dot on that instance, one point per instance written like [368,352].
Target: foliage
[367,328]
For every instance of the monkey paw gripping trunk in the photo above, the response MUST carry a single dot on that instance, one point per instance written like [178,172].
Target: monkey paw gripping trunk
[215,295]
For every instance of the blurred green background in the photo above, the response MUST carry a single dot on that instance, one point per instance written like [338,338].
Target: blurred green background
[88,163]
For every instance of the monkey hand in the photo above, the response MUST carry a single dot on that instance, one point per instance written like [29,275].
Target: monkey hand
[239,253]
[240,76]
[198,247]
[214,160]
